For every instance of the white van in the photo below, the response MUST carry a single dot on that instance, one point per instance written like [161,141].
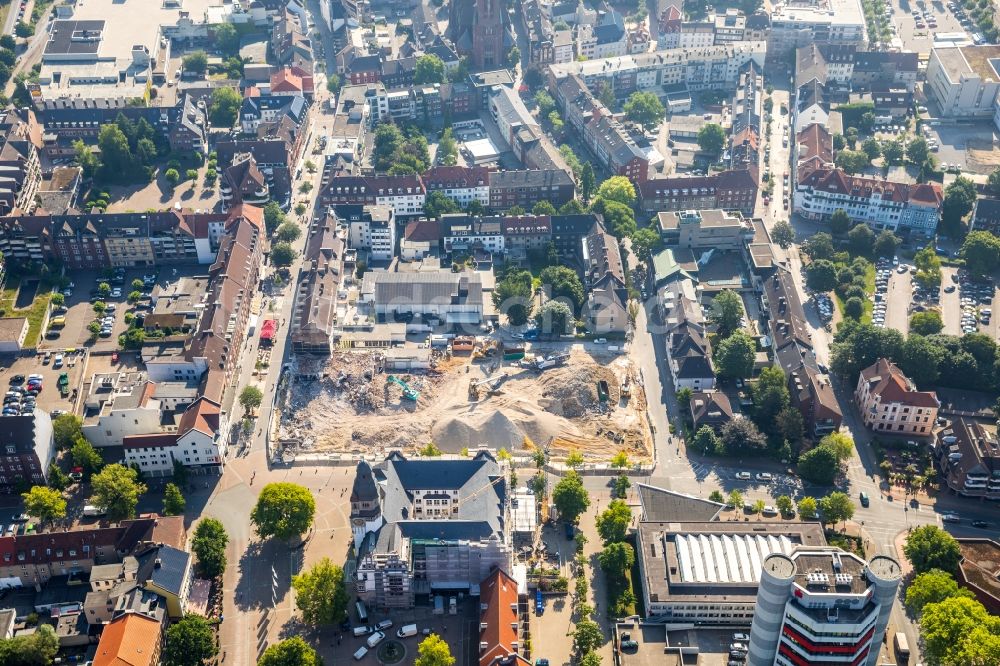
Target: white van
[92,511]
[360,631]
[375,639]
[362,651]
[406,631]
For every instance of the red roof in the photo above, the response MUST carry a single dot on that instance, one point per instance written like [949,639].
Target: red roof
[499,620]
[886,380]
[268,329]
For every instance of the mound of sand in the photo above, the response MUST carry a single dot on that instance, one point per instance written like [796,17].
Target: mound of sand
[571,391]
[504,427]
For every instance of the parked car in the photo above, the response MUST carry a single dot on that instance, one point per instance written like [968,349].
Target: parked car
[764,476]
[951,518]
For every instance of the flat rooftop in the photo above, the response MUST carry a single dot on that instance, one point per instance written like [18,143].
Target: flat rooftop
[716,560]
[832,12]
[982,61]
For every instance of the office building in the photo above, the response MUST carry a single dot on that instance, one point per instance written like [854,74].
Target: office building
[890,403]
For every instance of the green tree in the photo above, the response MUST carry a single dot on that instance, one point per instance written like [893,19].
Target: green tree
[513,57]
[617,558]
[734,356]
[283,510]
[447,153]
[617,188]
[930,547]
[758,506]
[321,594]
[840,221]
[282,254]
[981,251]
[434,651]
[196,62]
[546,104]
[209,546]
[116,155]
[58,480]
[574,459]
[959,631]
[770,396]
[173,501]
[735,499]
[290,652]
[172,176]
[717,496]
[807,507]
[727,311]
[250,398]
[289,232]
[917,151]
[932,587]
[712,139]
[819,465]
[836,507]
[606,94]
[821,275]
[564,283]
[437,203]
[840,444]
[543,208]
[784,504]
[116,490]
[618,218]
[644,108]
[893,151]
[741,436]
[993,182]
[854,308]
[886,244]
[512,296]
[819,246]
[852,161]
[613,522]
[570,497]
[587,181]
[190,642]
[431,450]
[705,440]
[274,216]
[959,197]
[783,234]
[926,323]
[645,243]
[928,266]
[428,69]
[191,174]
[66,428]
[44,503]
[860,240]
[555,317]
[227,38]
[36,649]
[85,456]
[224,107]
[591,658]
[872,148]
[587,636]
[86,158]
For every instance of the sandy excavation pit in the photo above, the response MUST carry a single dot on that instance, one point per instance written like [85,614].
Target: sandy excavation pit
[345,404]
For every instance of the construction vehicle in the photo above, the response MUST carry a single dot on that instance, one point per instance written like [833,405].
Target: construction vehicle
[492,385]
[513,353]
[603,391]
[63,384]
[626,390]
[551,361]
[408,392]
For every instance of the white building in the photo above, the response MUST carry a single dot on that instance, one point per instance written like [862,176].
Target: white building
[963,80]
[463,185]
[455,298]
[607,39]
[881,204]
[370,228]
[798,24]
[121,405]
[464,233]
[822,605]
[199,443]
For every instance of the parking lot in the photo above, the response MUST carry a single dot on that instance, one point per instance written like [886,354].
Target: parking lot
[893,295]
[959,147]
[45,364]
[915,23]
[975,303]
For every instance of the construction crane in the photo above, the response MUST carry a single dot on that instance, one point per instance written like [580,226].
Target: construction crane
[408,392]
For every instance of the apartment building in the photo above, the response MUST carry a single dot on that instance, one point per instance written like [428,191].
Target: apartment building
[199,442]
[822,605]
[404,194]
[963,80]
[986,215]
[314,313]
[622,150]
[466,234]
[797,24]
[28,447]
[20,169]
[702,68]
[370,228]
[503,627]
[526,233]
[461,184]
[881,204]
[243,182]
[705,229]
[606,39]
[734,189]
[967,452]
[526,188]
[889,401]
[120,405]
[454,298]
[606,310]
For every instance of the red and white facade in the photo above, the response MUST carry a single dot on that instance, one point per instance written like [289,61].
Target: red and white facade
[822,607]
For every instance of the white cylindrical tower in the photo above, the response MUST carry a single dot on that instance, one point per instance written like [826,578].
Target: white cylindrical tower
[776,576]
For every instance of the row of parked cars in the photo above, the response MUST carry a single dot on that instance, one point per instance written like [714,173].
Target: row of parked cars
[376,634]
[739,649]
[21,395]
[883,272]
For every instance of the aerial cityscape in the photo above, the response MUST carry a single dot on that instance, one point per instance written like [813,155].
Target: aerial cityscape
[482,333]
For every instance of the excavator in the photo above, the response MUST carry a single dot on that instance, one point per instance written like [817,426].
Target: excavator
[408,392]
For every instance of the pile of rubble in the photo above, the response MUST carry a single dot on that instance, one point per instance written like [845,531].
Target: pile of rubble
[572,390]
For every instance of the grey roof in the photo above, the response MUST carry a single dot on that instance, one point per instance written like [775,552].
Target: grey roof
[74,38]
[364,484]
[446,530]
[663,506]
[480,482]
[421,287]
[165,566]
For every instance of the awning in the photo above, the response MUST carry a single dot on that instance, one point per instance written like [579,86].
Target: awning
[268,329]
